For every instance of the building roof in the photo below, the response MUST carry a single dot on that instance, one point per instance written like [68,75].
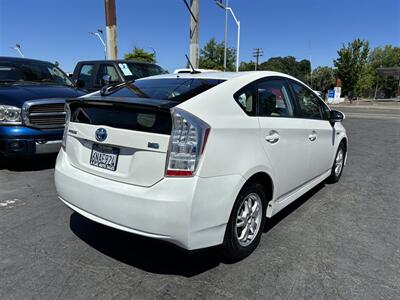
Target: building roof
[393,71]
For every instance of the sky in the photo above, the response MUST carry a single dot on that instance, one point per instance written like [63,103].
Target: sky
[57,30]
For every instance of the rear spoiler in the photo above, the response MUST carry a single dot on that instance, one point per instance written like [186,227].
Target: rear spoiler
[164,105]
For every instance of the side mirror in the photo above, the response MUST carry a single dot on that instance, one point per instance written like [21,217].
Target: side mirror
[336,116]
[79,83]
[106,80]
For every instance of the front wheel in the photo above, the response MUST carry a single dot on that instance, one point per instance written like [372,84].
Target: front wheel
[338,165]
[246,223]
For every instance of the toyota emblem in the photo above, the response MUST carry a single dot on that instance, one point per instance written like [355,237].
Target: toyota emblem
[101,134]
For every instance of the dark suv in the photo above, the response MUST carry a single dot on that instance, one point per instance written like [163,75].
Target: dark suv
[32,97]
[89,75]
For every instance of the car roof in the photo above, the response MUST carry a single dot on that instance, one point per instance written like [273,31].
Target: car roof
[188,70]
[116,61]
[22,59]
[220,75]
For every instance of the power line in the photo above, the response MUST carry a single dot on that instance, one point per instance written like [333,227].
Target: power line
[257,52]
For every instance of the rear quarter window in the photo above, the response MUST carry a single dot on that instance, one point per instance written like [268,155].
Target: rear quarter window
[246,98]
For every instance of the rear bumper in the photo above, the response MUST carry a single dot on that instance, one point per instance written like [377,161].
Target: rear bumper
[189,212]
[20,141]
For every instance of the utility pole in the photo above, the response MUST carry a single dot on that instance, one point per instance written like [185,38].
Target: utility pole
[111,29]
[257,52]
[194,32]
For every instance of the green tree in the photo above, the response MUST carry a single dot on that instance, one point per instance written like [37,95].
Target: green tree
[350,64]
[141,55]
[387,56]
[288,65]
[212,56]
[366,82]
[247,66]
[323,79]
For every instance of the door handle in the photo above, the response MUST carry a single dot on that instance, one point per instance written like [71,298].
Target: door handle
[313,136]
[273,137]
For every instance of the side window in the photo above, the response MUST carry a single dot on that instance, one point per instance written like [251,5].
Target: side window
[273,99]
[326,112]
[85,74]
[309,104]
[107,70]
[246,100]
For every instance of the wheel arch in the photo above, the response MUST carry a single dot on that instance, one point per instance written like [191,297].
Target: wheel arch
[266,180]
[345,143]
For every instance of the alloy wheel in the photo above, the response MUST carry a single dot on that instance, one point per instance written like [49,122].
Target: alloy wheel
[248,219]
[339,162]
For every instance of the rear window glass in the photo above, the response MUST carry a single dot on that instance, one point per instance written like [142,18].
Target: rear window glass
[123,116]
[174,89]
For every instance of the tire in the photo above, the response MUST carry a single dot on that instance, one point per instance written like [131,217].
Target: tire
[339,158]
[234,248]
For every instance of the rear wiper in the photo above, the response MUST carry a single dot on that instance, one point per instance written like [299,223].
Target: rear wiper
[110,88]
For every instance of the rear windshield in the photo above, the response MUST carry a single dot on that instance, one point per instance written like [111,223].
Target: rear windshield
[174,89]
[122,116]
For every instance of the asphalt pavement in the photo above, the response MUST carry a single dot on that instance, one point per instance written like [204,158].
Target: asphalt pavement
[339,241]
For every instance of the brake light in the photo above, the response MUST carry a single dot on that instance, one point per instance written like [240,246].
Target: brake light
[187,142]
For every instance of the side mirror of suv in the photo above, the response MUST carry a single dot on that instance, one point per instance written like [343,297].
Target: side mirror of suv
[336,116]
[79,83]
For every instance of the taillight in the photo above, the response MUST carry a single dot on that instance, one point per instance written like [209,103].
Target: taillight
[67,119]
[187,142]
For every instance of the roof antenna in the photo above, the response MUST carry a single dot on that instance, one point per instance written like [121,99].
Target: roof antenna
[191,66]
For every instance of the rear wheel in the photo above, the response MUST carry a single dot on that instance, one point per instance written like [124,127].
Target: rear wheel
[338,165]
[246,223]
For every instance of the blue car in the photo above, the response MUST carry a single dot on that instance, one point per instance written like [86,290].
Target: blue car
[32,116]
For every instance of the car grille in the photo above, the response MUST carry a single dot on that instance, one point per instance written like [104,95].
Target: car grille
[45,114]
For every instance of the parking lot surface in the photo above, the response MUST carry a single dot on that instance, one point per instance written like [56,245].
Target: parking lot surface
[339,241]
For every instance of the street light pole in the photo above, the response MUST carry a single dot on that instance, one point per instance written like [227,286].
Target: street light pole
[226,7]
[17,48]
[98,34]
[238,47]
[238,38]
[226,33]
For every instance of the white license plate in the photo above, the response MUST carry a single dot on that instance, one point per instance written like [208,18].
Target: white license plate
[105,157]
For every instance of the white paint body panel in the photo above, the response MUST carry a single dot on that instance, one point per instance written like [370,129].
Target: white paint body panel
[193,212]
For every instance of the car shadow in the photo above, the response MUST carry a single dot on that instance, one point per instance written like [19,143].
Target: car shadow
[36,163]
[156,256]
[147,254]
[272,222]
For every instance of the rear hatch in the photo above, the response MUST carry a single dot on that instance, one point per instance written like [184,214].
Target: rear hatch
[119,139]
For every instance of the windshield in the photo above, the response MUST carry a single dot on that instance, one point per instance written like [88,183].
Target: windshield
[133,71]
[175,89]
[32,71]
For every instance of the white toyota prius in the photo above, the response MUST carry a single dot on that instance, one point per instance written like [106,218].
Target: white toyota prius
[198,159]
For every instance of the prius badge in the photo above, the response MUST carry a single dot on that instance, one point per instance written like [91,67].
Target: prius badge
[101,134]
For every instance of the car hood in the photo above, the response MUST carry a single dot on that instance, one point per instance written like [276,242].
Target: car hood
[17,94]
